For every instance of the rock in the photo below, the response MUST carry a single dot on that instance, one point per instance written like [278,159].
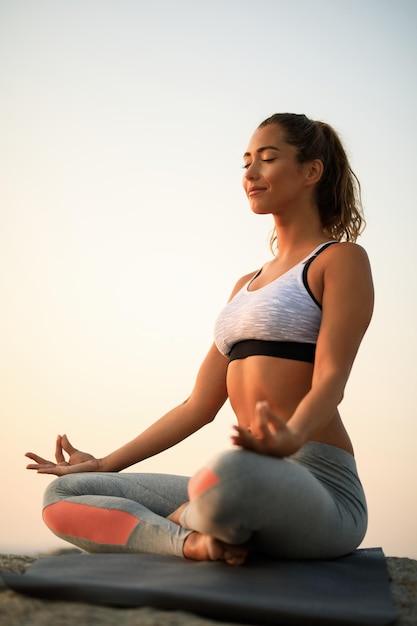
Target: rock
[403,577]
[19,610]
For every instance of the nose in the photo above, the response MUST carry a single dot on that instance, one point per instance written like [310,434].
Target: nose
[251,171]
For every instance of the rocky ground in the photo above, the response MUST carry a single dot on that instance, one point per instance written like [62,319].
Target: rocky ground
[19,610]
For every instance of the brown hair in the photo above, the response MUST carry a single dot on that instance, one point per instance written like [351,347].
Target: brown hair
[338,190]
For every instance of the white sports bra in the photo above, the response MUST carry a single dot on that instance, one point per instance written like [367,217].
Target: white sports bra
[281,319]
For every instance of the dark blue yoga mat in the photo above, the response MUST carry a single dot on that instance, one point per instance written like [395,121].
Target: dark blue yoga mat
[346,591]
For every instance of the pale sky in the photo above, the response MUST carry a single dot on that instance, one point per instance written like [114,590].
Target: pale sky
[124,226]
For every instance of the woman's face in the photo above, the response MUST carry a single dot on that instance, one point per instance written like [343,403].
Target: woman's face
[273,180]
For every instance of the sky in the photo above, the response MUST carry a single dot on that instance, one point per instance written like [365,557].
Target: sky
[124,225]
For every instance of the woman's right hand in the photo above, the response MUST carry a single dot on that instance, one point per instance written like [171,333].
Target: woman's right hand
[77,461]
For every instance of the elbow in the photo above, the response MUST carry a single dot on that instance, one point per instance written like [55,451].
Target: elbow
[211,417]
[340,396]
[208,414]
[203,414]
[332,385]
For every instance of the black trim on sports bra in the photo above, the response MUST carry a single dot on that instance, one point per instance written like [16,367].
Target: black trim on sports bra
[293,350]
[305,270]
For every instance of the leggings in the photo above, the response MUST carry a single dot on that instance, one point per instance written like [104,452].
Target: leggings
[307,506]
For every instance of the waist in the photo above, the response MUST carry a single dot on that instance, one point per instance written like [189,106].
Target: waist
[294,350]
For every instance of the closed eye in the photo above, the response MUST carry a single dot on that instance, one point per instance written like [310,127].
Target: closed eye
[246,165]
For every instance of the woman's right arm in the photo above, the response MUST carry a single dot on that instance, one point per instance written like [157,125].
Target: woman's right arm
[207,397]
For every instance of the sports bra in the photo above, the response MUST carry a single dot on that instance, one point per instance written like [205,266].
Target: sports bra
[281,319]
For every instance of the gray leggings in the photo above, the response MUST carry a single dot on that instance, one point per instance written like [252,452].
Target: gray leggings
[310,505]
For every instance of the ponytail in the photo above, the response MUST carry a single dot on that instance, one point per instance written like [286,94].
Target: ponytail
[338,192]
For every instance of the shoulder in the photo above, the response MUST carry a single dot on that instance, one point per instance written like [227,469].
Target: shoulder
[347,277]
[342,271]
[347,256]
[349,248]
[242,282]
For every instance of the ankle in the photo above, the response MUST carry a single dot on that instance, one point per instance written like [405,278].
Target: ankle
[191,545]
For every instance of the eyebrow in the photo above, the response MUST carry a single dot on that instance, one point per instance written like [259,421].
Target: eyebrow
[262,149]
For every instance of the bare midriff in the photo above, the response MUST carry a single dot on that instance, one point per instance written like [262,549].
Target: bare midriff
[283,383]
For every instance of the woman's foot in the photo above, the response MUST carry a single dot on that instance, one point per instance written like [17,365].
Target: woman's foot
[205,548]
[201,547]
[175,515]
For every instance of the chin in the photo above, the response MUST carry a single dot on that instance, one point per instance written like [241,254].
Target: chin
[260,211]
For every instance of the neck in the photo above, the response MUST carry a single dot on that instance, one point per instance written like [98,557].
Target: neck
[296,235]
[289,244]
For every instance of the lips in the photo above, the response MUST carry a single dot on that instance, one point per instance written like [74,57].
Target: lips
[253,191]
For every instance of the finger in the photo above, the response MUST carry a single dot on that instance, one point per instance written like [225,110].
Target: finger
[257,416]
[59,455]
[264,412]
[68,447]
[242,437]
[262,416]
[238,435]
[245,443]
[61,470]
[265,426]
[38,459]
[53,469]
[43,463]
[267,415]
[241,432]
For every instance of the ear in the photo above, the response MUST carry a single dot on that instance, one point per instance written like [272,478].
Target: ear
[314,172]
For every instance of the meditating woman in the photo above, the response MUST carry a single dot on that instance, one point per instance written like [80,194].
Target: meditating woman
[283,349]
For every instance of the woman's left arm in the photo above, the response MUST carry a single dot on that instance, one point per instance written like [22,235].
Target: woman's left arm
[347,305]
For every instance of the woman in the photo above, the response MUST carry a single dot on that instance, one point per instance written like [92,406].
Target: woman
[284,347]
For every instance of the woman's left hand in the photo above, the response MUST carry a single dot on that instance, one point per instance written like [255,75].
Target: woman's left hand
[273,438]
[77,461]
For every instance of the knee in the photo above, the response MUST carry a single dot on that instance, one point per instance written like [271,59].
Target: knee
[225,468]
[219,498]
[61,488]
[52,494]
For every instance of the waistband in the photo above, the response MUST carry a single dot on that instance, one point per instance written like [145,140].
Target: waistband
[316,449]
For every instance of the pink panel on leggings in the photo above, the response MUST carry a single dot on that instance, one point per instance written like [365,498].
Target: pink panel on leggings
[201,481]
[90,522]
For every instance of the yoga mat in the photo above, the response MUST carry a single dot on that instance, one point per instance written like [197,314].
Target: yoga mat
[346,591]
